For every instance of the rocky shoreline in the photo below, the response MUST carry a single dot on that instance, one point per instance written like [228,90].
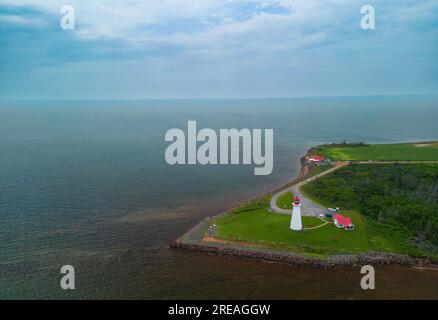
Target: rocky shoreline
[333,262]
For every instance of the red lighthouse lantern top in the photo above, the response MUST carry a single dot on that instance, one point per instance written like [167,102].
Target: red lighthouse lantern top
[297,200]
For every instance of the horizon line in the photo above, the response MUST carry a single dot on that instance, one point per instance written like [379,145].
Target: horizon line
[222,98]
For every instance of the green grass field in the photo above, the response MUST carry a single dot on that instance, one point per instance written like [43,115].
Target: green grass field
[253,224]
[265,228]
[285,200]
[427,151]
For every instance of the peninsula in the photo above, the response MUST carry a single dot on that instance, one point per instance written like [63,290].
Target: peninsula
[387,193]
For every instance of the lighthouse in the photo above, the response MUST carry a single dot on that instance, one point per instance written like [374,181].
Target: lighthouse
[295,223]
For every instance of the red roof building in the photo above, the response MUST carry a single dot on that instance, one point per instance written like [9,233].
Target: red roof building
[316,158]
[343,222]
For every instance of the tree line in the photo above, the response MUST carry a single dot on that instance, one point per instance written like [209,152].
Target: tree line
[405,194]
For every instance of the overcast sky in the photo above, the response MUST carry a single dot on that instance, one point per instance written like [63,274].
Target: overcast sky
[217,49]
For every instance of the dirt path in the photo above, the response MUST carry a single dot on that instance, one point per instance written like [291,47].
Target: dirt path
[320,226]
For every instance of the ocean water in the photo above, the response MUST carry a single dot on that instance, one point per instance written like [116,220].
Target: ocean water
[85,183]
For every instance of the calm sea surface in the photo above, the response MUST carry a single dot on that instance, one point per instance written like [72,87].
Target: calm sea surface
[85,183]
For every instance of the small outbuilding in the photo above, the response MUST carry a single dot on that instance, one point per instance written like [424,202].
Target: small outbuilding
[343,222]
[316,159]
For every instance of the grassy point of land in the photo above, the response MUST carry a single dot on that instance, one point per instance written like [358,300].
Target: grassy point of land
[393,206]
[254,224]
[422,151]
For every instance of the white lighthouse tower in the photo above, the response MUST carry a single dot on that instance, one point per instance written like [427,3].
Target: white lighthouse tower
[295,223]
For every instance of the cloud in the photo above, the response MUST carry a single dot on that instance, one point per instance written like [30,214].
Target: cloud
[18,20]
[199,26]
[282,42]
